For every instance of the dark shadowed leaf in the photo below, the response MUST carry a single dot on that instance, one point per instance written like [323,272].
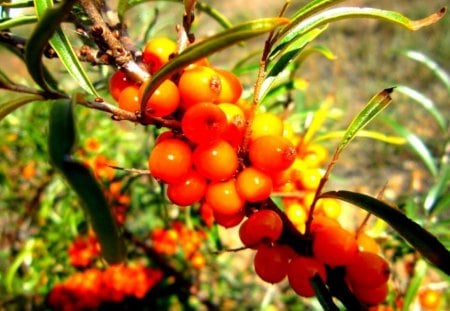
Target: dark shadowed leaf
[323,294]
[422,240]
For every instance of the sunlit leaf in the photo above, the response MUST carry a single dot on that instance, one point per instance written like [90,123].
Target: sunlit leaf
[211,45]
[395,140]
[49,21]
[10,103]
[414,284]
[23,255]
[416,144]
[419,238]
[17,21]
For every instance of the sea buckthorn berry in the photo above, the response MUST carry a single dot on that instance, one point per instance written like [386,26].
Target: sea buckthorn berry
[266,123]
[235,130]
[271,153]
[367,270]
[204,123]
[261,226]
[310,178]
[129,99]
[229,221]
[217,161]
[271,263]
[231,87]
[117,83]
[254,185]
[156,53]
[300,271]
[329,207]
[371,295]
[207,214]
[367,243]
[297,215]
[199,84]
[163,102]
[314,155]
[170,160]
[334,245]
[320,222]
[188,191]
[430,299]
[224,198]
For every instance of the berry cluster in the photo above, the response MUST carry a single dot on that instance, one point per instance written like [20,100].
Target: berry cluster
[89,289]
[180,238]
[84,250]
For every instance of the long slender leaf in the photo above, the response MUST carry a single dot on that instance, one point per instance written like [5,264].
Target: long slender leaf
[440,187]
[414,285]
[422,240]
[395,140]
[11,103]
[48,23]
[17,21]
[24,254]
[416,144]
[211,45]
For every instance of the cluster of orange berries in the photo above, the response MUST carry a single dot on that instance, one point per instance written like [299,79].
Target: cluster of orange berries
[180,238]
[89,289]
[84,250]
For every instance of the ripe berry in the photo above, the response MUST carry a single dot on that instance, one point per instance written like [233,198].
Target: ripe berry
[253,185]
[271,263]
[430,299]
[261,226]
[300,271]
[271,153]
[367,243]
[229,221]
[188,191]
[117,83]
[129,99]
[371,295]
[199,84]
[310,178]
[164,101]
[266,123]
[156,53]
[224,198]
[204,123]
[170,160]
[231,89]
[334,246]
[217,161]
[367,270]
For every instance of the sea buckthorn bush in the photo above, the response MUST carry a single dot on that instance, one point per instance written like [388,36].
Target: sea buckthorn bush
[163,168]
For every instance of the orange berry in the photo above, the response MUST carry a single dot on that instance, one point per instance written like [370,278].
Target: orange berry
[117,83]
[297,215]
[271,153]
[188,191]
[224,198]
[367,243]
[371,295]
[170,160]
[314,155]
[204,123]
[217,161]
[156,53]
[320,222]
[271,263]
[310,179]
[300,271]
[231,89]
[129,99]
[367,270]
[229,221]
[261,226]
[430,299]
[253,185]
[234,133]
[266,123]
[199,84]
[329,207]
[206,214]
[334,246]
[163,102]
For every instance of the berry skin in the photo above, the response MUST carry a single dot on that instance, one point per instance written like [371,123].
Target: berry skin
[271,263]
[229,221]
[156,53]
[271,153]
[129,99]
[170,160]
[334,246]
[367,270]
[300,271]
[224,198]
[231,89]
[217,161]
[254,185]
[261,226]
[199,84]
[430,299]
[188,191]
[266,123]
[204,123]
[117,83]
[371,295]
[163,102]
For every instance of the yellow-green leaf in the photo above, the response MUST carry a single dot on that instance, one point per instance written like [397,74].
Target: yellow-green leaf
[11,103]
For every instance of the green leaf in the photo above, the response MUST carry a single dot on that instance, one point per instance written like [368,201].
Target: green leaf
[426,103]
[48,23]
[25,254]
[372,109]
[16,100]
[422,240]
[395,140]
[416,144]
[420,269]
[17,21]
[211,45]
[439,188]
[62,136]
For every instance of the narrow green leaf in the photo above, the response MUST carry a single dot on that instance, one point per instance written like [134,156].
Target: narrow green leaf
[439,188]
[214,14]
[416,144]
[426,103]
[395,140]
[11,103]
[17,21]
[211,45]
[414,285]
[45,28]
[375,106]
[419,238]
[17,4]
[23,255]
[323,294]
